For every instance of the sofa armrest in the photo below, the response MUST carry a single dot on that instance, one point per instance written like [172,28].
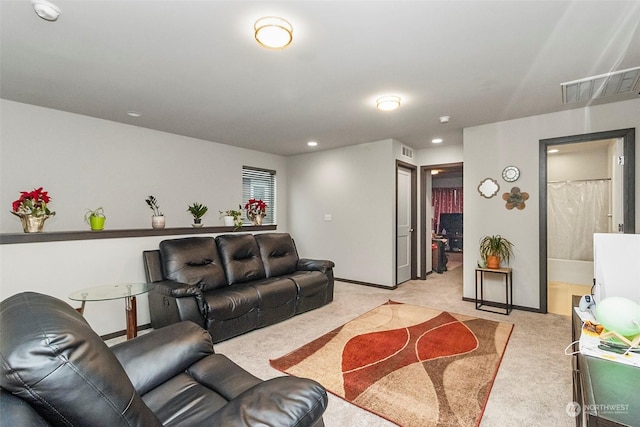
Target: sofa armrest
[174,289]
[17,412]
[282,401]
[305,264]
[153,358]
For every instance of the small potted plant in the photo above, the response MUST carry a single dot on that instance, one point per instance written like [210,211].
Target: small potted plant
[232,217]
[95,218]
[198,210]
[157,220]
[495,248]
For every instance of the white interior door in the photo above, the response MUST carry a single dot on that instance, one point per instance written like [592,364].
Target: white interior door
[404,229]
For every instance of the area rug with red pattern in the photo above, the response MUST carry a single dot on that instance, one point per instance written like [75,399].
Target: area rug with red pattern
[414,366]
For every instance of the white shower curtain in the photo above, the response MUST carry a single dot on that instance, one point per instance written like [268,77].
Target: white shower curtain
[576,210]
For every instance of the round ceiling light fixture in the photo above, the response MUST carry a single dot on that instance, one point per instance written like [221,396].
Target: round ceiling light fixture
[46,10]
[388,103]
[436,140]
[273,32]
[312,144]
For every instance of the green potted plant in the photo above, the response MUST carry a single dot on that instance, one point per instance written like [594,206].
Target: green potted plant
[95,218]
[232,217]
[157,220]
[495,248]
[198,210]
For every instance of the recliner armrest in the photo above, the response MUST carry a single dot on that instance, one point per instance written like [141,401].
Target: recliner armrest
[282,401]
[305,264]
[153,358]
[174,289]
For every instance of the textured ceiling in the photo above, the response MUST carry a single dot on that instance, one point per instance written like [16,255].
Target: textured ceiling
[193,68]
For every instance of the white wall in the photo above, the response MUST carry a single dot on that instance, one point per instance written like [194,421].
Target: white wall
[490,148]
[84,163]
[440,155]
[356,186]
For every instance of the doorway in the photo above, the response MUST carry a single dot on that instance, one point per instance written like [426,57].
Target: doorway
[406,245]
[444,176]
[619,150]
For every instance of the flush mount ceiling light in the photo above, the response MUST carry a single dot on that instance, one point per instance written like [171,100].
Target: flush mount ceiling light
[312,144]
[614,83]
[134,114]
[46,10]
[273,32]
[388,103]
[436,140]
[445,119]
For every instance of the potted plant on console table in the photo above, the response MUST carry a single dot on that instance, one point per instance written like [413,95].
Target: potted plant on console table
[256,210]
[232,218]
[495,248]
[32,209]
[95,218]
[157,220]
[197,210]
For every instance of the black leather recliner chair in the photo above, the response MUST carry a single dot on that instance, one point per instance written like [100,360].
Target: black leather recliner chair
[234,283]
[57,372]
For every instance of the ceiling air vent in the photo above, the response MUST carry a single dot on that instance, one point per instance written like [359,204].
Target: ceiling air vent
[407,152]
[615,83]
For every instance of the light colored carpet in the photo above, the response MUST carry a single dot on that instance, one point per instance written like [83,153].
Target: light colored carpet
[533,385]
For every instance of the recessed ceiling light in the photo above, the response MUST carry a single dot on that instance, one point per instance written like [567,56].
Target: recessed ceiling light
[388,103]
[312,144]
[134,114]
[436,140]
[273,32]
[46,10]
[553,150]
[445,119]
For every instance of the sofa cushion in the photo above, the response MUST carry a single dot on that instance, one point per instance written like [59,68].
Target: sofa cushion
[52,359]
[193,260]
[278,253]
[231,302]
[241,258]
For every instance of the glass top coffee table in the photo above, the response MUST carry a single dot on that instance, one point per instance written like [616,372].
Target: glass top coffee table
[126,291]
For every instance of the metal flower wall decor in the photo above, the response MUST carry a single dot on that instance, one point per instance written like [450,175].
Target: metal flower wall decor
[515,199]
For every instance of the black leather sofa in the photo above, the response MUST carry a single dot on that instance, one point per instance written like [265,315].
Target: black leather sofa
[56,371]
[234,283]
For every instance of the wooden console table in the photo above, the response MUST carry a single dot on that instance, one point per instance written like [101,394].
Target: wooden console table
[508,284]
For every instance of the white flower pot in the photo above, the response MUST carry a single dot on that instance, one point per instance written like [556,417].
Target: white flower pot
[157,221]
[228,221]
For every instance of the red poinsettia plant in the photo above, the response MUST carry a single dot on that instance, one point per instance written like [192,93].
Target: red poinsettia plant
[255,207]
[33,203]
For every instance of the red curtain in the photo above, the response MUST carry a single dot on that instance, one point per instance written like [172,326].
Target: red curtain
[445,200]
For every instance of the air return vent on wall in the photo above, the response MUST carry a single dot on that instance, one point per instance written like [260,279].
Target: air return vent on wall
[614,83]
[407,152]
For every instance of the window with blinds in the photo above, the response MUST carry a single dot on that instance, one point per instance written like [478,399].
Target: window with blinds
[260,184]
